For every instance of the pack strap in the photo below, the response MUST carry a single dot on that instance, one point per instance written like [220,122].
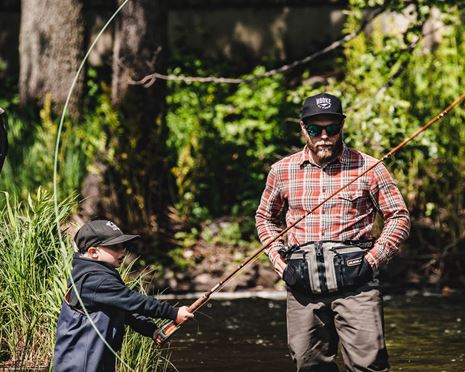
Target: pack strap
[72,301]
[286,252]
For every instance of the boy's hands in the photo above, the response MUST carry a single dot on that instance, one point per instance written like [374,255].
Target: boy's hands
[162,334]
[183,315]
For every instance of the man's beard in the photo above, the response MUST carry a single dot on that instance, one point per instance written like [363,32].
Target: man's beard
[327,153]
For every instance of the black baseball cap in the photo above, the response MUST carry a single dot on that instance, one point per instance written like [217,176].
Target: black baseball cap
[320,104]
[100,232]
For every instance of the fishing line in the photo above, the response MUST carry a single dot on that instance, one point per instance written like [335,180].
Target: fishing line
[171,327]
[64,251]
[206,297]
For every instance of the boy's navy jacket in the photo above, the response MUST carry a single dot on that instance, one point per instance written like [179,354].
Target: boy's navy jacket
[111,305]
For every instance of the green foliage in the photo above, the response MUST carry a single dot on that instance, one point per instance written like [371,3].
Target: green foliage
[177,254]
[33,271]
[381,113]
[223,138]
[138,352]
[227,137]
[228,233]
[34,267]
[30,160]
[3,65]
[32,140]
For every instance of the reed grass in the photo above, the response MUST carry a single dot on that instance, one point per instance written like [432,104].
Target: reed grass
[139,351]
[33,279]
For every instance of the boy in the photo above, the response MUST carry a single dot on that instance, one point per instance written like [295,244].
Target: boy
[109,302]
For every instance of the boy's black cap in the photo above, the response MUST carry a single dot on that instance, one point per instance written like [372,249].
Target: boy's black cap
[100,232]
[322,103]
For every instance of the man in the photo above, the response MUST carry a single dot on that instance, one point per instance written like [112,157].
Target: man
[329,271]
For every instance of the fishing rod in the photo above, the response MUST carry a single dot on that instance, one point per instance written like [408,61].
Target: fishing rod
[165,332]
[3,137]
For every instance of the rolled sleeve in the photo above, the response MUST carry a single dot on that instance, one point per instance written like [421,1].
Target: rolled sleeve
[389,201]
[269,216]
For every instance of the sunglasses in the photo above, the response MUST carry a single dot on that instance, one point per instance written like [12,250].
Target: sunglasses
[314,130]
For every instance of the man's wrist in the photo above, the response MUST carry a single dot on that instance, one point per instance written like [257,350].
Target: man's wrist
[371,261]
[274,255]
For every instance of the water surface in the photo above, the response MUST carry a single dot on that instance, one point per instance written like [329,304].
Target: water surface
[424,334]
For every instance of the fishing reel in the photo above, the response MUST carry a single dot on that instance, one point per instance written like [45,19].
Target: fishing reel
[3,137]
[162,334]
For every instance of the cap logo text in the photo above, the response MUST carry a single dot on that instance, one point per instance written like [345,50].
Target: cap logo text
[112,226]
[323,102]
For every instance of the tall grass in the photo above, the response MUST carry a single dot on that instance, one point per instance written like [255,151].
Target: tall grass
[33,277]
[138,351]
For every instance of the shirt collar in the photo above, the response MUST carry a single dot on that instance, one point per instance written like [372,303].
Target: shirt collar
[343,157]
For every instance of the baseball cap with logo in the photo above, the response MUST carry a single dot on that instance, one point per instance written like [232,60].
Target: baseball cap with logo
[100,233]
[320,104]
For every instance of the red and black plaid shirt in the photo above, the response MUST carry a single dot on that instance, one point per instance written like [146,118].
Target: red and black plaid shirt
[296,184]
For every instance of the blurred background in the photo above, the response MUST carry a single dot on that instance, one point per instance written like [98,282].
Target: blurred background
[156,138]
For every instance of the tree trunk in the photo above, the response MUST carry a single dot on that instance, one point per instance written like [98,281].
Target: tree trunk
[138,181]
[51,46]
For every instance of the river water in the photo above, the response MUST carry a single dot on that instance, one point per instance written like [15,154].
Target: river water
[424,334]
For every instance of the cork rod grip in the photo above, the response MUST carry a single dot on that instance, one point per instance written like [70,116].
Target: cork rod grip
[199,302]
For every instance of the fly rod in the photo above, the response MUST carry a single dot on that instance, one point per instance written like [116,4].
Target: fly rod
[165,332]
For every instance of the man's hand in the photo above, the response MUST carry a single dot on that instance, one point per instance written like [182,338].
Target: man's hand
[365,273]
[183,315]
[278,263]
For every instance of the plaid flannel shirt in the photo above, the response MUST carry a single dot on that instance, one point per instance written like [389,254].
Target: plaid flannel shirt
[295,184]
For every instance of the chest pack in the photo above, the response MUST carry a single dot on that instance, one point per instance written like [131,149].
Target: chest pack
[324,267]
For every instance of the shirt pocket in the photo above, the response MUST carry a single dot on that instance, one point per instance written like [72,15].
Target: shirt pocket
[354,203]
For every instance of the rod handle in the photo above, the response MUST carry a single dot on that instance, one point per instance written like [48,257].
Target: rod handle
[198,303]
[162,334]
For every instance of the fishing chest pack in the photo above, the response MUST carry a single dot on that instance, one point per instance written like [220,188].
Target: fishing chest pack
[325,267]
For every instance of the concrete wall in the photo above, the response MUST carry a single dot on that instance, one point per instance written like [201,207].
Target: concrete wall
[251,35]
[245,34]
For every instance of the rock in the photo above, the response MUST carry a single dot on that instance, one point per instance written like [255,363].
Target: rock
[202,279]
[203,282]
[173,283]
[267,277]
